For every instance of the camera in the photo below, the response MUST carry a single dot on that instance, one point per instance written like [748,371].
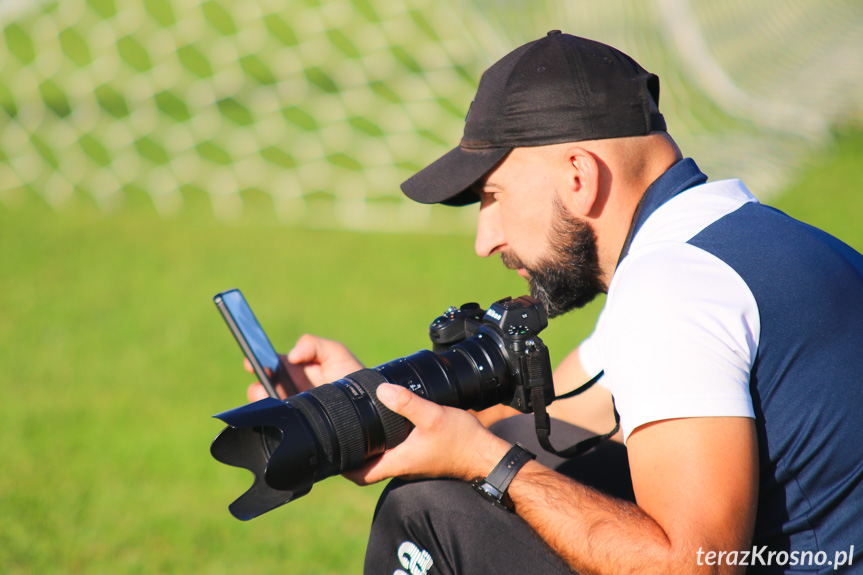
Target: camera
[479,358]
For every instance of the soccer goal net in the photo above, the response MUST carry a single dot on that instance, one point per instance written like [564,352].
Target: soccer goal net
[322,107]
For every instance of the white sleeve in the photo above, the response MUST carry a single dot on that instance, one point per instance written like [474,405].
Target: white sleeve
[678,337]
[589,357]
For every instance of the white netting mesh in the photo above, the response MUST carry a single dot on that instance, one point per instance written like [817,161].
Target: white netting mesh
[326,106]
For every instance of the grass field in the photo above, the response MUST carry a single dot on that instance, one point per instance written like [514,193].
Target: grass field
[113,359]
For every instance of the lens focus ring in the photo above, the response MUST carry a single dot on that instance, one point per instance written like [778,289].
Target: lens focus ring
[314,417]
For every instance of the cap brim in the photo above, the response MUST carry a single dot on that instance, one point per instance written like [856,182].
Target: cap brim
[448,179]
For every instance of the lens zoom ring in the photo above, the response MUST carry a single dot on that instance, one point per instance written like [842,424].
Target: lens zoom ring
[346,422]
[396,427]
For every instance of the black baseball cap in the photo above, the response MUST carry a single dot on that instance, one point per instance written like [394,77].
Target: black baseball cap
[560,88]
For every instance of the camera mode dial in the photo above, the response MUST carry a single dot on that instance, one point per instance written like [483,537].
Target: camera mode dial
[455,325]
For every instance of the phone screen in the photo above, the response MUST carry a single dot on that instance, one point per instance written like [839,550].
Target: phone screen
[254,341]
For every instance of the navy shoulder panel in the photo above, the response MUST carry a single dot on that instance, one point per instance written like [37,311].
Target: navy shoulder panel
[807,381]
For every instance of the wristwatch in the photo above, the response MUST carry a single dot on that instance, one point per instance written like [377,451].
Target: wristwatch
[494,486]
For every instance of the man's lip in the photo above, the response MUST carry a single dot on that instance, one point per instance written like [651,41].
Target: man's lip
[523,273]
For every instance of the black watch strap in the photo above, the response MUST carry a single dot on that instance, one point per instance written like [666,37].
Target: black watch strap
[495,485]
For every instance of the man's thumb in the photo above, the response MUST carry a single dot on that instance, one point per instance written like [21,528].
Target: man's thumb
[304,351]
[397,398]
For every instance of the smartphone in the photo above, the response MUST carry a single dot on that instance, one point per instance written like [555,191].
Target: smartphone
[254,342]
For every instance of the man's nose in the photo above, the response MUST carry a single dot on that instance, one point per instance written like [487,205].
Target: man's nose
[489,233]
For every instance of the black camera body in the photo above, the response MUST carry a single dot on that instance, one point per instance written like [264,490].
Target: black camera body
[514,324]
[480,358]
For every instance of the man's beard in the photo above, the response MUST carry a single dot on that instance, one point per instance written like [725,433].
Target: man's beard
[570,277]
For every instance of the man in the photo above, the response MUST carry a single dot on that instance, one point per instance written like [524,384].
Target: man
[731,342]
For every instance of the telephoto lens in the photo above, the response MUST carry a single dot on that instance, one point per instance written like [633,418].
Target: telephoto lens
[480,359]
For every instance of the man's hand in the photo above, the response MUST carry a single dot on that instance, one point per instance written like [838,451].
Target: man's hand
[445,442]
[312,362]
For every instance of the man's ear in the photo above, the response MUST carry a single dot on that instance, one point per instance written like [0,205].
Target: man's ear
[583,181]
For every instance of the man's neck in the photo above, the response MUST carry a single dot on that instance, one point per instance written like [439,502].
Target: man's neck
[613,229]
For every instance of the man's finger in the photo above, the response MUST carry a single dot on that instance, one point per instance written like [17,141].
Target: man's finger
[306,350]
[407,404]
[256,392]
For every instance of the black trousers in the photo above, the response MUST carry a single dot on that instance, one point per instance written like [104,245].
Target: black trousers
[443,526]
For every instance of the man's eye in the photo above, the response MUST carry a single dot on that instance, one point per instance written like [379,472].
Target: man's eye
[488,197]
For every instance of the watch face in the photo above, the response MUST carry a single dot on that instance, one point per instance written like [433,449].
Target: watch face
[486,489]
[491,493]
[495,485]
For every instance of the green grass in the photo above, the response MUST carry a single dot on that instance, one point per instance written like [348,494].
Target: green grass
[113,359]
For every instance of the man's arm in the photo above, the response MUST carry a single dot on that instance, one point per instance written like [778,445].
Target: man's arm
[695,481]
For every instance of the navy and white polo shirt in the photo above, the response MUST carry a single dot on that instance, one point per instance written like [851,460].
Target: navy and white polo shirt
[726,307]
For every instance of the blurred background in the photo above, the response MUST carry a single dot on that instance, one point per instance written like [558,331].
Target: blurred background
[155,152]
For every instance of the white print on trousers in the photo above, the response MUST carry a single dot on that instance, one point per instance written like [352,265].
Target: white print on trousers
[417,561]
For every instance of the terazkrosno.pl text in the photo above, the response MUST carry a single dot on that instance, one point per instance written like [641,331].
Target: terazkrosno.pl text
[761,556]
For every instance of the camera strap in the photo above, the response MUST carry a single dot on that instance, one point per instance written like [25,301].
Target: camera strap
[542,421]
